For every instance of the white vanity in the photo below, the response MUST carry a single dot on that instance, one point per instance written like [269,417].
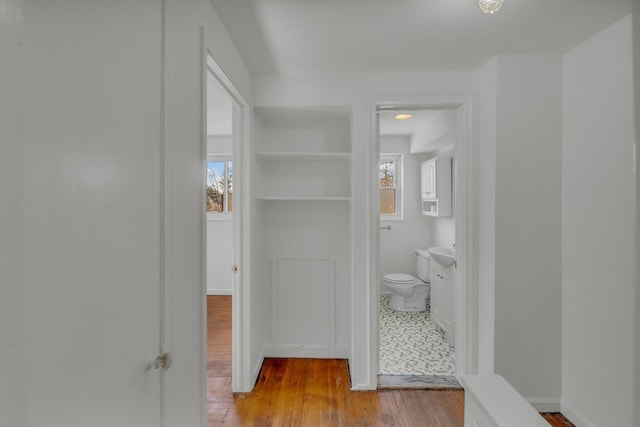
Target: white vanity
[443,291]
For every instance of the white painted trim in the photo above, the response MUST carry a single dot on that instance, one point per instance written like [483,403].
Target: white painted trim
[467,303]
[257,367]
[219,292]
[542,404]
[306,352]
[398,158]
[465,214]
[203,227]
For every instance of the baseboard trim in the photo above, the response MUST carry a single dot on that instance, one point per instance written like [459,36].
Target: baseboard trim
[256,370]
[307,352]
[544,404]
[219,291]
[573,416]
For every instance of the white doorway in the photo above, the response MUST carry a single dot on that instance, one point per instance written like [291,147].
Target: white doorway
[225,115]
[219,188]
[455,230]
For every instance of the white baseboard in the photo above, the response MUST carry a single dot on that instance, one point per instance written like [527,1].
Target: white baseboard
[219,292]
[256,370]
[544,404]
[573,416]
[362,387]
[307,352]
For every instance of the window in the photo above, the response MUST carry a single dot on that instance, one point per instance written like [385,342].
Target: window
[390,175]
[219,187]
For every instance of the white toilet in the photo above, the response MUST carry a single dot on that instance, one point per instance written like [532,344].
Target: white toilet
[409,293]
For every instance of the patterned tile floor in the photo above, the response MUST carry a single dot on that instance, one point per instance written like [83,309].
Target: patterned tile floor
[410,345]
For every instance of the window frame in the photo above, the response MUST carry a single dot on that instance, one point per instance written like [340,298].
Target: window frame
[226,158]
[398,159]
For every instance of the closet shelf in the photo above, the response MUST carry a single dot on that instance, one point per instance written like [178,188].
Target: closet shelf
[303,199]
[286,155]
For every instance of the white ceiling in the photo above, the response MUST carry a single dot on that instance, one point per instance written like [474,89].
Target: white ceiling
[366,36]
[388,125]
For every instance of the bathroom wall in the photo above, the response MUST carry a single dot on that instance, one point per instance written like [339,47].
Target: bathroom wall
[397,245]
[219,235]
[598,211]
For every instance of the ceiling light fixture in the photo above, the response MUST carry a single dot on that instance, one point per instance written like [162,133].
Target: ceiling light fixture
[403,116]
[490,6]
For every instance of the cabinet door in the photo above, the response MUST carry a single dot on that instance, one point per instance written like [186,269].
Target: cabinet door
[429,179]
[448,315]
[436,297]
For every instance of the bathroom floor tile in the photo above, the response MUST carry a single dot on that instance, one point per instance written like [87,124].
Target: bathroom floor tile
[410,345]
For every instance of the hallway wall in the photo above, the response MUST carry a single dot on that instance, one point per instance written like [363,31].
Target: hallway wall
[527,224]
[12,408]
[599,211]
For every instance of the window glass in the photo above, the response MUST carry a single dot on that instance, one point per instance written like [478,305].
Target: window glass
[390,177]
[219,186]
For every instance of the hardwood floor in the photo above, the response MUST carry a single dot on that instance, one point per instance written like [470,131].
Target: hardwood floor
[315,392]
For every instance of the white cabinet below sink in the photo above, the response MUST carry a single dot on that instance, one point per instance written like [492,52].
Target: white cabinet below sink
[442,301]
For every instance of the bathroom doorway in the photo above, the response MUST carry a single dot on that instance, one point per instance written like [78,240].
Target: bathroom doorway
[416,332]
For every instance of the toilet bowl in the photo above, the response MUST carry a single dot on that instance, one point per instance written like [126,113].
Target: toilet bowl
[409,293]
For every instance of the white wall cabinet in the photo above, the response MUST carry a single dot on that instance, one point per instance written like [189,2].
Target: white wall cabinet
[442,301]
[302,226]
[436,186]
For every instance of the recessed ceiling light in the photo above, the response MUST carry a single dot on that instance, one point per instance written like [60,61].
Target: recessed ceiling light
[403,116]
[490,6]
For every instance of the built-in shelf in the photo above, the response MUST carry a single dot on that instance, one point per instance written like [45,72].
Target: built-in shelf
[295,198]
[302,156]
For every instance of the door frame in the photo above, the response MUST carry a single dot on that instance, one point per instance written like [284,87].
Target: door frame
[240,362]
[466,304]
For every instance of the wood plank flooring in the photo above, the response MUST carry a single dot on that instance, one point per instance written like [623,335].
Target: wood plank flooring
[315,392]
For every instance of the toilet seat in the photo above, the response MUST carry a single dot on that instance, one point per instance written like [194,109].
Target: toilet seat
[400,278]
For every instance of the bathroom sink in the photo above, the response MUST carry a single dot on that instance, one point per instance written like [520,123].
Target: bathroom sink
[443,256]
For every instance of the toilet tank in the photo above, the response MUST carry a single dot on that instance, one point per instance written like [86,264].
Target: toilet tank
[423,265]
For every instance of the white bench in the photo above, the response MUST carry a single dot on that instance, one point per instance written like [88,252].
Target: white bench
[490,401]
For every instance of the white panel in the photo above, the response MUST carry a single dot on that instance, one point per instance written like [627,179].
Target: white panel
[91,182]
[304,302]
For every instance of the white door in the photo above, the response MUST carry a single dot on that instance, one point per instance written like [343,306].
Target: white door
[91,182]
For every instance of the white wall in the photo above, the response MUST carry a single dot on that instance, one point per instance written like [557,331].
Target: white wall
[598,211]
[398,244]
[12,398]
[636,75]
[219,235]
[527,224]
[185,228]
[484,154]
